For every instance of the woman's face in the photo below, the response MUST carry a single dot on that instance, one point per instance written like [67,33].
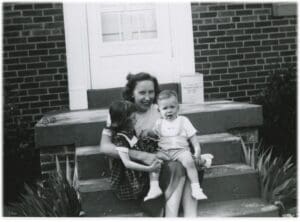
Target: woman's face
[144,95]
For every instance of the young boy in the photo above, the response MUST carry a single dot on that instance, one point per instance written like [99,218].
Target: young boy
[175,132]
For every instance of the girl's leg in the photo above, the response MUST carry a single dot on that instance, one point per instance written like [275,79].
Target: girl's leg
[173,201]
[190,204]
[154,190]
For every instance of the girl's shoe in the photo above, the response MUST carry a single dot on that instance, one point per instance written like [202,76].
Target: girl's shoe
[153,193]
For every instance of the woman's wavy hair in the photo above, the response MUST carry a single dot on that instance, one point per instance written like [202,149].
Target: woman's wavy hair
[120,112]
[133,79]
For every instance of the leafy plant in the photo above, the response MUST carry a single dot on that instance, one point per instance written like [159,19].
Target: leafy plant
[280,112]
[250,153]
[278,183]
[57,196]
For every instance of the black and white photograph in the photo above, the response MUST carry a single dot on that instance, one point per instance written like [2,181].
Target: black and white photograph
[149,109]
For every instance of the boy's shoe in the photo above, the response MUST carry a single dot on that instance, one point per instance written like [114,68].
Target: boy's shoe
[198,194]
[153,193]
[208,159]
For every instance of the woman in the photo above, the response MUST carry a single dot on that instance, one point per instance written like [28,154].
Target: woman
[142,89]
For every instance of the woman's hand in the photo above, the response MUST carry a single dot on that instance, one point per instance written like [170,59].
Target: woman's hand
[199,163]
[155,166]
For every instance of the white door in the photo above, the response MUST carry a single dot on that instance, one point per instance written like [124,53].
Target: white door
[127,38]
[105,42]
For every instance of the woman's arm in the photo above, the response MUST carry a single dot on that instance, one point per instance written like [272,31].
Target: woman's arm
[108,148]
[155,166]
[196,146]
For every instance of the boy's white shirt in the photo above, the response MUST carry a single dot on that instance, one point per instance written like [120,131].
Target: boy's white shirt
[164,127]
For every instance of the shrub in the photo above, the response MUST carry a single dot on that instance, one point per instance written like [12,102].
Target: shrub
[57,196]
[279,112]
[21,158]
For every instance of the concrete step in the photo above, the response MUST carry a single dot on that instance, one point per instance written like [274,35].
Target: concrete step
[225,147]
[101,204]
[83,127]
[106,205]
[223,182]
[252,207]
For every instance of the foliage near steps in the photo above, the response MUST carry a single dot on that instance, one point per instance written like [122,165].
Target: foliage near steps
[279,102]
[278,177]
[54,197]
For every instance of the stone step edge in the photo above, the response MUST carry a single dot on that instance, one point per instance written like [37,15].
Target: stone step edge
[237,208]
[103,184]
[208,138]
[250,207]
[100,115]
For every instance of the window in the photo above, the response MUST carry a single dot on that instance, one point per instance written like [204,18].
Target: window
[128,22]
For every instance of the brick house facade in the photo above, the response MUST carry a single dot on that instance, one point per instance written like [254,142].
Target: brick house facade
[235,45]
[34,61]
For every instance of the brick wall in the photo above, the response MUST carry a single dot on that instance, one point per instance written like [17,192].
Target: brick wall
[34,61]
[236,46]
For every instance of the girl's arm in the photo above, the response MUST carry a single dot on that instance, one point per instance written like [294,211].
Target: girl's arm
[108,148]
[196,146]
[136,166]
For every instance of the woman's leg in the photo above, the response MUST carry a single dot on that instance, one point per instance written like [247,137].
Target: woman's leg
[173,201]
[172,180]
[190,205]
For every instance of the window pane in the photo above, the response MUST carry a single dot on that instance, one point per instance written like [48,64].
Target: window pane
[134,22]
[110,26]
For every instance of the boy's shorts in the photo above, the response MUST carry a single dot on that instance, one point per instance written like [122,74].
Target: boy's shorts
[175,153]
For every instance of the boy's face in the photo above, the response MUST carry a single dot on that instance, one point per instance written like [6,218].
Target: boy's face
[168,108]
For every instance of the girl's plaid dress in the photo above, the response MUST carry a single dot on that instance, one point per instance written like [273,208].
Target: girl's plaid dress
[130,184]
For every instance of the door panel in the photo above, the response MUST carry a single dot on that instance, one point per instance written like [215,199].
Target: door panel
[127,38]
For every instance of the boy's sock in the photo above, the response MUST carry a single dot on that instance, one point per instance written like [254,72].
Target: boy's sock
[154,190]
[197,192]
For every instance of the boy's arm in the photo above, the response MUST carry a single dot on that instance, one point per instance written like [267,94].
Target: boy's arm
[136,166]
[196,146]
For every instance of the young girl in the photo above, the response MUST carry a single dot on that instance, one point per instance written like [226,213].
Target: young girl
[128,178]
[175,132]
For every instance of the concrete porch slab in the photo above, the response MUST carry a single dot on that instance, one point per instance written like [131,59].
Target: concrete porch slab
[83,127]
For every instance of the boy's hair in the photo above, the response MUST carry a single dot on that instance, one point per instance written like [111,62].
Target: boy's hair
[166,94]
[120,112]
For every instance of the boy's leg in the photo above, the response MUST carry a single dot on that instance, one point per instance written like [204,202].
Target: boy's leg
[186,159]
[188,163]
[154,190]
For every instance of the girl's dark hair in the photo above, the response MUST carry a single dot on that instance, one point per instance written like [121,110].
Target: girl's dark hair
[133,79]
[120,112]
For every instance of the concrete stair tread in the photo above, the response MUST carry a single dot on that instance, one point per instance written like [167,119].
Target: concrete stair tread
[100,115]
[237,208]
[208,138]
[103,184]
[217,137]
